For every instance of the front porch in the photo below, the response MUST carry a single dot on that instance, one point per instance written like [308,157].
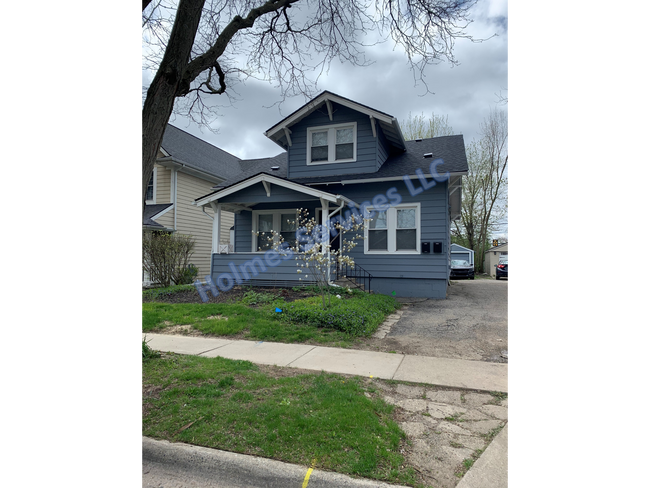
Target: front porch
[264,206]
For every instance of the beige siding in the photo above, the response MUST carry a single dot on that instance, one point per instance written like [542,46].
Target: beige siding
[163,184]
[492,259]
[167,219]
[191,220]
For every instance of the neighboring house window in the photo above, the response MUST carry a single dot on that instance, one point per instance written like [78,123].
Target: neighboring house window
[504,253]
[282,222]
[395,230]
[151,189]
[332,144]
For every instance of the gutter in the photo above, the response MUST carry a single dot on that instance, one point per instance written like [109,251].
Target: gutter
[376,180]
[177,163]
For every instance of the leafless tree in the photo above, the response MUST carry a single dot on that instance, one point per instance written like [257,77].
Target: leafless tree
[485,186]
[204,47]
[421,127]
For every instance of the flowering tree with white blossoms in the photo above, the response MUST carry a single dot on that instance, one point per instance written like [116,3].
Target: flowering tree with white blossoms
[313,249]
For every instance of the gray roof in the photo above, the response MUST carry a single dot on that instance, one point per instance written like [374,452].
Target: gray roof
[150,211]
[198,154]
[252,167]
[450,148]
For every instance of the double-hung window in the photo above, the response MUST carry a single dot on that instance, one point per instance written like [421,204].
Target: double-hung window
[394,230]
[265,222]
[332,144]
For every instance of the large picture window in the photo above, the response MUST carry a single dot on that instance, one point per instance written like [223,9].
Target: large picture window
[332,144]
[395,230]
[283,222]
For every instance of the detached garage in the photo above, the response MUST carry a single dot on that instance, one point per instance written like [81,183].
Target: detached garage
[460,252]
[492,257]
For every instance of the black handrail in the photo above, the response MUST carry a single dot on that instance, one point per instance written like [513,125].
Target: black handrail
[355,274]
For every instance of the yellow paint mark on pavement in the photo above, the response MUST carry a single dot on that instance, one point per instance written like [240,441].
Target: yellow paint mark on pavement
[306,481]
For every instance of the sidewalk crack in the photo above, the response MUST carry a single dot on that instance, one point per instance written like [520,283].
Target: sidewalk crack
[306,352]
[398,366]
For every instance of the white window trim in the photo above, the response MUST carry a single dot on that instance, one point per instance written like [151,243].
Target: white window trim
[331,143]
[276,223]
[155,185]
[391,220]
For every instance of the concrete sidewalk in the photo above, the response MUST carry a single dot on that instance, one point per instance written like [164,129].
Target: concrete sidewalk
[456,373]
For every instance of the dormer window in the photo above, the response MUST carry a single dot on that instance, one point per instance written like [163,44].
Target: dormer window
[332,144]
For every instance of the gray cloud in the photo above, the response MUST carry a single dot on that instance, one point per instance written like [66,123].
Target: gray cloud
[465,93]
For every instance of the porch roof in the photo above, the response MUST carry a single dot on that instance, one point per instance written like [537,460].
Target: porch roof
[267,181]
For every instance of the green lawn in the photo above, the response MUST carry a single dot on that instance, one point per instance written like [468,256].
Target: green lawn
[255,318]
[324,420]
[254,324]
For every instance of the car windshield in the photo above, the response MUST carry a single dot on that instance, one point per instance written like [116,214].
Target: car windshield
[458,262]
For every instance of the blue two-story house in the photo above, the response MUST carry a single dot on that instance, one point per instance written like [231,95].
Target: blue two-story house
[342,157]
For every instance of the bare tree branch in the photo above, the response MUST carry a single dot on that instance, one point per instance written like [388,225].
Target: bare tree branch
[288,42]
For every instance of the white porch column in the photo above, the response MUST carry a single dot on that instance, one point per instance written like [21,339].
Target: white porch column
[326,240]
[216,227]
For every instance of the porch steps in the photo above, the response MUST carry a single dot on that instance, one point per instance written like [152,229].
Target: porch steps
[348,283]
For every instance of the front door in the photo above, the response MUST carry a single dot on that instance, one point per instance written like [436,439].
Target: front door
[335,241]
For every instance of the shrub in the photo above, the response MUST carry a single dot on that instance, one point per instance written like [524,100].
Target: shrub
[359,315]
[188,275]
[165,256]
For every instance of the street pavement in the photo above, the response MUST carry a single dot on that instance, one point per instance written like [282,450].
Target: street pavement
[176,465]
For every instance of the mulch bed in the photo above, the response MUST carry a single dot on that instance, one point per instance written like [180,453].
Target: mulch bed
[232,296]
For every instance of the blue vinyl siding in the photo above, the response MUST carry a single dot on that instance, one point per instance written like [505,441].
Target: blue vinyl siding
[434,226]
[422,275]
[253,268]
[366,144]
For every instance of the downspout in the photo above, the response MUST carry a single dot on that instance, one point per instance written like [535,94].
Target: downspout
[174,194]
[203,209]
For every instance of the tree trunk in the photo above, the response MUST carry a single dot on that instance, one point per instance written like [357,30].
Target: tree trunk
[167,83]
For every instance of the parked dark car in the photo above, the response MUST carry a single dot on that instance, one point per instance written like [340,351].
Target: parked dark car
[461,269]
[502,268]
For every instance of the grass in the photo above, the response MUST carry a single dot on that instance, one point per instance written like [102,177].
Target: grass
[252,323]
[147,352]
[231,405]
[254,317]
[468,463]
[154,293]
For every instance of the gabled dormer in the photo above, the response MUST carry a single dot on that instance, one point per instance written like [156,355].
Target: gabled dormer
[332,135]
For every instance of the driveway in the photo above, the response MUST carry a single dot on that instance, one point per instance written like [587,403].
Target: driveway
[472,323]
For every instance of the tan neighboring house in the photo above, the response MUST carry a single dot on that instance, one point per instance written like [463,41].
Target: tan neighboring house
[187,168]
[492,256]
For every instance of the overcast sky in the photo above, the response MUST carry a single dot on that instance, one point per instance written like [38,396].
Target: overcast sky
[465,93]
